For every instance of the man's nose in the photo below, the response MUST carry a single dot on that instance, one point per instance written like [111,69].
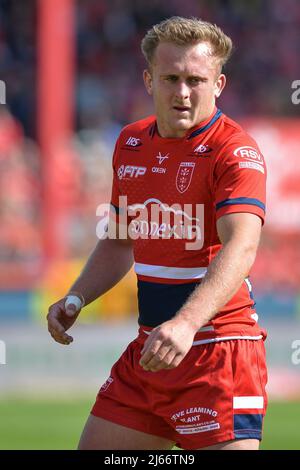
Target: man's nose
[182,90]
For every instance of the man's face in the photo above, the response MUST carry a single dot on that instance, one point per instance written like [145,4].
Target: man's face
[184,82]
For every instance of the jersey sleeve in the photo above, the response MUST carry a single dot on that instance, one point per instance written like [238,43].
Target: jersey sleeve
[118,201]
[115,192]
[240,179]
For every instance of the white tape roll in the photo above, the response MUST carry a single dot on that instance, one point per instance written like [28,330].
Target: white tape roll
[74,300]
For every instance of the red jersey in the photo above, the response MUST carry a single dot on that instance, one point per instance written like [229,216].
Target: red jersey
[216,169]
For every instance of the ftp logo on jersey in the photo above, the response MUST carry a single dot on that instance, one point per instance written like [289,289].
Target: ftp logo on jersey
[133,142]
[131,171]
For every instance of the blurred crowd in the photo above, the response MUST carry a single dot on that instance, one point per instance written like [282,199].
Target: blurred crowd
[266,34]
[110,93]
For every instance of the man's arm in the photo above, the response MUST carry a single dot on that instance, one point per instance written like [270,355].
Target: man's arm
[168,344]
[106,266]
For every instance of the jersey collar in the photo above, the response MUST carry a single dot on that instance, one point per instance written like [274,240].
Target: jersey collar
[205,125]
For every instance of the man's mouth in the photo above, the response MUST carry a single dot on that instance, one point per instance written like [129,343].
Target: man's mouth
[181,108]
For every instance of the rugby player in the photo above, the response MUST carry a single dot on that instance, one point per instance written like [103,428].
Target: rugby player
[195,375]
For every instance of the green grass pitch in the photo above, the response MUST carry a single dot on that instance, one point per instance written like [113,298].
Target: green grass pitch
[57,425]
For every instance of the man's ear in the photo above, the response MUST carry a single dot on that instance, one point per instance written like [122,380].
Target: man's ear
[148,81]
[219,85]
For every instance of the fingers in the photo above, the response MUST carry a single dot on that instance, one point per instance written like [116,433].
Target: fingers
[163,360]
[160,361]
[160,351]
[175,361]
[150,348]
[58,333]
[156,355]
[55,328]
[62,339]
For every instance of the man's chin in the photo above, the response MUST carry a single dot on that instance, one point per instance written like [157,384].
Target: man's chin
[183,124]
[177,127]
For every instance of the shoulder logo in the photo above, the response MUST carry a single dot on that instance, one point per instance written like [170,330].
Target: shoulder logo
[248,153]
[106,384]
[184,176]
[250,158]
[201,150]
[133,142]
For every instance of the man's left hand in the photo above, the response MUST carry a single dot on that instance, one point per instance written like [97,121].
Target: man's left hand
[167,345]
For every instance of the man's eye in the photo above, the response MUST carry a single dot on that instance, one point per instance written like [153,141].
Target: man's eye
[194,80]
[171,78]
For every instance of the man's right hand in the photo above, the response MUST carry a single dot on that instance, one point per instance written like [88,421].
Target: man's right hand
[60,319]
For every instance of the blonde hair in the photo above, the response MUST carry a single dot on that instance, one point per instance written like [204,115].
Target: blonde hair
[185,31]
